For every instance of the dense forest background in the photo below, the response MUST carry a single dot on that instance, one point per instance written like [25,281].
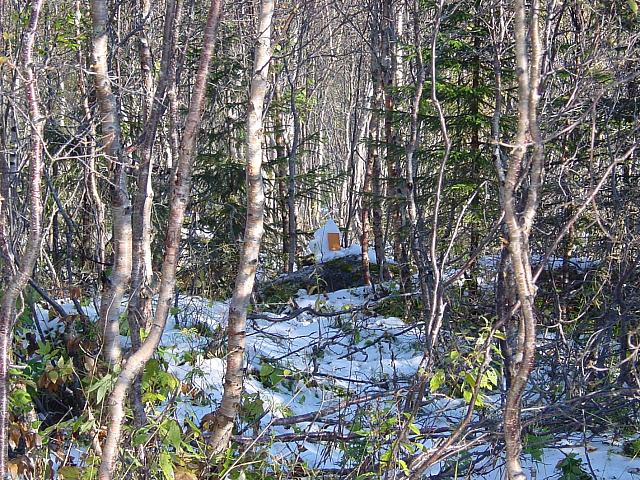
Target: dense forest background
[478,156]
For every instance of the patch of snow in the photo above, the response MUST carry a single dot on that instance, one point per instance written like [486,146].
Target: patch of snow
[606,463]
[319,245]
[331,359]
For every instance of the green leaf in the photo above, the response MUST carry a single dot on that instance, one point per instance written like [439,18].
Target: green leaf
[534,445]
[633,5]
[266,370]
[86,426]
[492,375]
[69,473]
[21,398]
[193,426]
[151,397]
[436,381]
[102,392]
[151,369]
[140,438]
[404,467]
[414,428]
[166,465]
[174,435]
[468,378]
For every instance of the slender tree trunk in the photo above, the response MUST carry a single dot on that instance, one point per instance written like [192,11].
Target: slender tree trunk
[371,189]
[474,148]
[417,240]
[367,187]
[172,96]
[27,262]
[146,61]
[116,286]
[179,200]
[92,194]
[394,192]
[139,310]
[377,212]
[358,126]
[281,155]
[6,255]
[506,294]
[295,145]
[224,417]
[56,250]
[519,223]
[437,303]
[291,186]
[152,109]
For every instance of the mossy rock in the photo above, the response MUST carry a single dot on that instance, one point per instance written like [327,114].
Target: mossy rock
[279,292]
[392,268]
[337,274]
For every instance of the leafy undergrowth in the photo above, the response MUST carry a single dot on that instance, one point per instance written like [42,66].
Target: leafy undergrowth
[325,395]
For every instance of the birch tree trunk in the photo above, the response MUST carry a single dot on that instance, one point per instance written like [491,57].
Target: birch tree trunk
[519,222]
[224,417]
[179,199]
[114,290]
[139,311]
[22,274]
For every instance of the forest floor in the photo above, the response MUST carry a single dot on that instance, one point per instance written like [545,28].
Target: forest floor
[324,380]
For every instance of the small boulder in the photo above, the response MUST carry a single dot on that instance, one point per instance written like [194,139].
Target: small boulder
[336,274]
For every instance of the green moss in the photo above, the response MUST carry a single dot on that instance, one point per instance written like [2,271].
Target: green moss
[280,292]
[392,306]
[632,448]
[392,268]
[342,264]
[306,260]
[401,307]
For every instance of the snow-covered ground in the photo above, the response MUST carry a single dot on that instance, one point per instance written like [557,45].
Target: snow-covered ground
[314,363]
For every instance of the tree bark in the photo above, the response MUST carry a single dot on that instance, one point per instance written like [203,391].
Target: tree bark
[179,200]
[146,61]
[281,155]
[116,286]
[93,233]
[292,215]
[224,416]
[417,241]
[139,309]
[519,223]
[367,186]
[32,248]
[371,186]
[389,64]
